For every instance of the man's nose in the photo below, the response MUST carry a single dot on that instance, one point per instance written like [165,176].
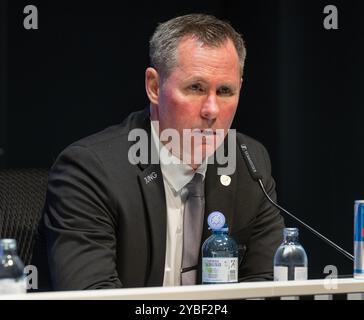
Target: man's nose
[210,108]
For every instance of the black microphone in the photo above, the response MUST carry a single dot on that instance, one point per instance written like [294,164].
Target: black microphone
[255,174]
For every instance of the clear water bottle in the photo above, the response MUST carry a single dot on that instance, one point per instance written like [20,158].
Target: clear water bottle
[290,260]
[219,253]
[12,278]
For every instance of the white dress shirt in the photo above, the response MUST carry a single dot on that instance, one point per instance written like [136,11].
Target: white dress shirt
[175,178]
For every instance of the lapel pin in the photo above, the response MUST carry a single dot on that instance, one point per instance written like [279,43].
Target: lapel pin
[150,177]
[225,180]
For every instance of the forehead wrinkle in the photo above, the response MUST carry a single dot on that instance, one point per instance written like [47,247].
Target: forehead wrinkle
[207,75]
[204,61]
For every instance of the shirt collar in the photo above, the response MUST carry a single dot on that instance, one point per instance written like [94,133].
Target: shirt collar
[176,173]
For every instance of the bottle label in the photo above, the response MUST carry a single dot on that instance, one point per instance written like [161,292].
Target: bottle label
[219,270]
[300,273]
[281,273]
[10,286]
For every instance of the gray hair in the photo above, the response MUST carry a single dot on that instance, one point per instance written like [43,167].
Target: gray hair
[206,28]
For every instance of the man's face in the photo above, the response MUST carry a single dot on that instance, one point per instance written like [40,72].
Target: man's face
[201,93]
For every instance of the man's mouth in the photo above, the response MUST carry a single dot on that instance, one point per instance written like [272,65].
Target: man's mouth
[203,132]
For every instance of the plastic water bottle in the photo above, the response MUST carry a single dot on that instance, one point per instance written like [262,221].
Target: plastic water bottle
[219,253]
[290,260]
[12,278]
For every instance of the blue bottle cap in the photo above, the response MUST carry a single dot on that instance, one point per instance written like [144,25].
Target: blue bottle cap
[216,220]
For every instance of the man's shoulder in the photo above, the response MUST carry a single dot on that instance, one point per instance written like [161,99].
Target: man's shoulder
[250,142]
[109,146]
[116,134]
[257,152]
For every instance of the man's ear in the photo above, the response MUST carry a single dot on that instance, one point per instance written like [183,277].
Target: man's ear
[241,82]
[152,85]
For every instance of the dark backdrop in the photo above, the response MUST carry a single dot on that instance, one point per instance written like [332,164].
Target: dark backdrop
[83,70]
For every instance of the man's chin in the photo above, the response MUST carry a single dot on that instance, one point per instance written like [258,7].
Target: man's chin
[200,154]
[207,151]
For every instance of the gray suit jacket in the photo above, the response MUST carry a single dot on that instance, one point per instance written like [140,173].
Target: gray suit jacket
[105,226]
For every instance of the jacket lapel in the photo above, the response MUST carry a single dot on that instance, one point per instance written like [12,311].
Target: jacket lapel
[151,182]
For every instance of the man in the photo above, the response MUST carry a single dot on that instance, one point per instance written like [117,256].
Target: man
[112,220]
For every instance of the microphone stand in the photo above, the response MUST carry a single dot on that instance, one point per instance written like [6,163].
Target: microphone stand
[255,174]
[318,234]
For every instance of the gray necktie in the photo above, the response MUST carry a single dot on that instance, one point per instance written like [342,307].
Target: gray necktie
[192,229]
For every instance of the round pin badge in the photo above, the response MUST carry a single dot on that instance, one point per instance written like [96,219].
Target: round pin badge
[225,180]
[216,220]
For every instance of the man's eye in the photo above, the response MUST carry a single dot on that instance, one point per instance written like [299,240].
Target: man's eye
[225,91]
[196,87]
